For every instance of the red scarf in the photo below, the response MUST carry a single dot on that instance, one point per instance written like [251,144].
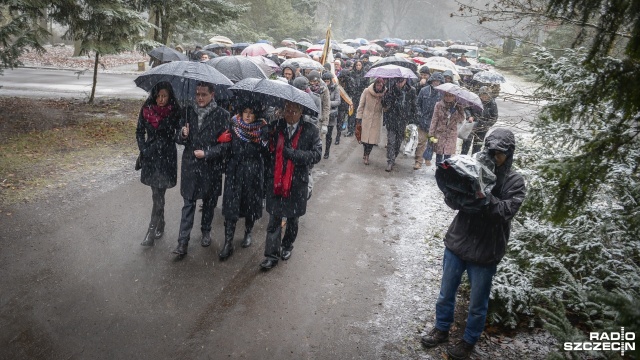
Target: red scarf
[154,113]
[282,182]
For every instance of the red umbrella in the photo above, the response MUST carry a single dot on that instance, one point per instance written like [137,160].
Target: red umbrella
[392,45]
[258,49]
[316,47]
[419,60]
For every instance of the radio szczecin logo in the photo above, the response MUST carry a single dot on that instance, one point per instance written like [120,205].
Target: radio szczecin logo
[606,341]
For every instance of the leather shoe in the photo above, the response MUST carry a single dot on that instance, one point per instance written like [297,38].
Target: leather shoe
[206,239]
[268,264]
[286,254]
[389,167]
[181,249]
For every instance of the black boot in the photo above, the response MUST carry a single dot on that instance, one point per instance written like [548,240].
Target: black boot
[246,242]
[229,231]
[326,150]
[151,234]
[160,226]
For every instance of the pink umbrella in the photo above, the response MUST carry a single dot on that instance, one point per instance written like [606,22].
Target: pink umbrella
[393,45]
[316,47]
[289,52]
[258,49]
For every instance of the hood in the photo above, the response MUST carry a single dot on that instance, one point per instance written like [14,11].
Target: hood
[436,76]
[501,139]
[372,91]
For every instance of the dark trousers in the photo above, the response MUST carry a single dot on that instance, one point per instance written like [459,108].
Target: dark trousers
[440,158]
[157,211]
[394,140]
[477,137]
[188,213]
[248,223]
[342,114]
[274,239]
[328,137]
[351,121]
[367,148]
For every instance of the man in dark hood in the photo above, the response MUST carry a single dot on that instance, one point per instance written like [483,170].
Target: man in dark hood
[476,242]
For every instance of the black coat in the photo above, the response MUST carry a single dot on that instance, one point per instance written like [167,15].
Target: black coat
[399,106]
[359,84]
[482,237]
[159,156]
[244,180]
[485,119]
[202,178]
[309,152]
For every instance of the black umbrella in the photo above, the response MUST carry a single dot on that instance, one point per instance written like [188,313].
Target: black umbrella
[396,60]
[274,92]
[237,68]
[211,54]
[183,77]
[164,54]
[213,47]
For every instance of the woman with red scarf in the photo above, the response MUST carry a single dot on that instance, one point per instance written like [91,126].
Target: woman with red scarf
[244,178]
[158,124]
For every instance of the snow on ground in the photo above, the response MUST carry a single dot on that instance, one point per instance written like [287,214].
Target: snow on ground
[62,57]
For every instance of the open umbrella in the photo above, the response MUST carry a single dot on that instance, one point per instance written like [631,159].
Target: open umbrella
[289,52]
[418,50]
[214,46]
[274,92]
[288,42]
[304,44]
[395,41]
[303,63]
[164,54]
[390,71]
[463,70]
[211,54]
[258,49]
[391,45]
[316,47]
[348,41]
[361,41]
[463,96]
[348,49]
[219,39]
[396,60]
[489,77]
[371,47]
[264,62]
[183,77]
[238,46]
[419,60]
[237,67]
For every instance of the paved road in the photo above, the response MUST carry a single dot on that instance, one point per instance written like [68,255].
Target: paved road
[28,82]
[76,284]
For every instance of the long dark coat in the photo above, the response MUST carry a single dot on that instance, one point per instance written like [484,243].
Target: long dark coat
[244,180]
[399,106]
[309,152]
[158,149]
[202,178]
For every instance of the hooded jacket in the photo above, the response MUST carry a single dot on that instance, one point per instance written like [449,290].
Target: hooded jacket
[427,99]
[482,237]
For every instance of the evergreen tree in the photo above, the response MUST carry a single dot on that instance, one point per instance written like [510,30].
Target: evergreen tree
[19,29]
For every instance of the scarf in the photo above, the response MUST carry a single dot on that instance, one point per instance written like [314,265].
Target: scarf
[247,132]
[282,182]
[154,113]
[202,112]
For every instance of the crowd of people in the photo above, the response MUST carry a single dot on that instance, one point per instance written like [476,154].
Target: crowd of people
[266,156]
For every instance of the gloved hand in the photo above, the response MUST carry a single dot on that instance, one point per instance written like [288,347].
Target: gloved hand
[287,152]
[225,137]
[265,132]
[433,140]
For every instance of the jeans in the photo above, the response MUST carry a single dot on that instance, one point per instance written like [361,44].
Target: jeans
[188,213]
[480,277]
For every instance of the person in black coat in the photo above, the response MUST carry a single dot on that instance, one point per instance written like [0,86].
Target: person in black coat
[294,146]
[206,141]
[158,124]
[399,104]
[476,242]
[484,120]
[359,84]
[346,82]
[244,178]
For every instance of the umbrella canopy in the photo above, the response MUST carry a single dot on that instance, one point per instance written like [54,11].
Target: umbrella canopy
[211,54]
[361,41]
[489,77]
[317,53]
[441,64]
[396,60]
[304,44]
[258,49]
[463,70]
[303,63]
[219,39]
[315,48]
[418,50]
[463,96]
[238,46]
[390,71]
[419,60]
[348,49]
[183,77]
[348,41]
[264,62]
[391,45]
[288,42]
[164,54]
[214,46]
[237,68]
[371,47]
[395,41]
[274,92]
[289,52]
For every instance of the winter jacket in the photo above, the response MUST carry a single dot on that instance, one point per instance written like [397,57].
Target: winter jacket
[202,178]
[485,119]
[308,153]
[325,101]
[347,84]
[399,106]
[244,179]
[334,100]
[482,237]
[159,156]
[359,84]
[444,127]
[427,99]
[370,111]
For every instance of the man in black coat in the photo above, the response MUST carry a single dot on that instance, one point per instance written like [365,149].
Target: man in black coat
[475,243]
[205,146]
[399,106]
[295,146]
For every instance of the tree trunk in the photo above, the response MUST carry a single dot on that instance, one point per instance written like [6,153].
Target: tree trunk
[77,48]
[95,78]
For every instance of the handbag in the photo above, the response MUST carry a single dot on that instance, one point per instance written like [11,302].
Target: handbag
[358,132]
[464,129]
[139,162]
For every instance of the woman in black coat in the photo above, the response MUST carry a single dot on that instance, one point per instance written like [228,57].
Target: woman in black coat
[158,124]
[244,178]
